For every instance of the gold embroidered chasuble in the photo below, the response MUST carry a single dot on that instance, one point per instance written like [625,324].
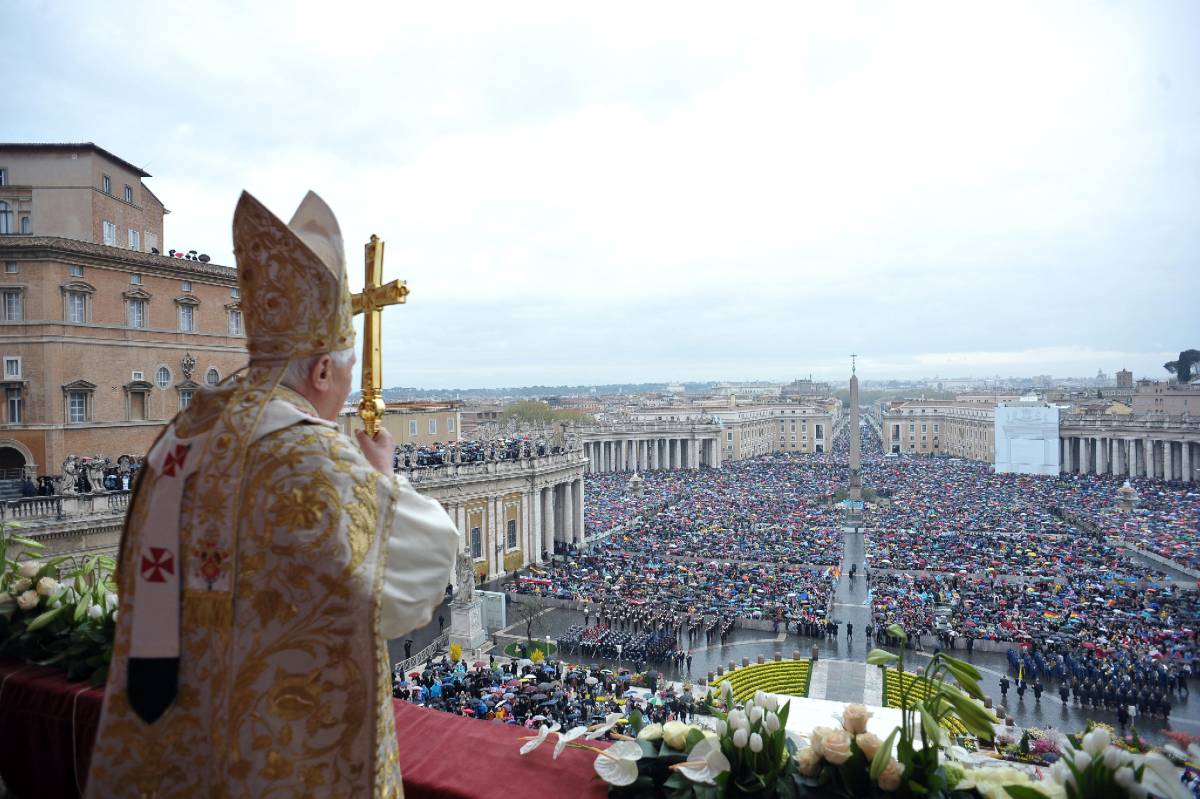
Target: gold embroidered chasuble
[284,690]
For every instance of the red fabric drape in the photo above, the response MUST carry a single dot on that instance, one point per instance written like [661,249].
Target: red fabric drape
[48,725]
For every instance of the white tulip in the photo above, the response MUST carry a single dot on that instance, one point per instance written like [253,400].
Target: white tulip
[1095,741]
[740,738]
[95,613]
[737,719]
[760,699]
[110,599]
[722,727]
[726,689]
[115,612]
[756,742]
[1082,760]
[771,722]
[756,714]
[1113,758]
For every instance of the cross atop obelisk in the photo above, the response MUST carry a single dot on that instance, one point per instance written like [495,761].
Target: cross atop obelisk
[374,297]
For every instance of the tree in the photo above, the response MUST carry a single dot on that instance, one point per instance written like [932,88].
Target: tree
[532,412]
[1182,368]
[529,613]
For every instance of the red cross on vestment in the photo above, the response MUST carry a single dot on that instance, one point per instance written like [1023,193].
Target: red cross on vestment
[175,459]
[157,565]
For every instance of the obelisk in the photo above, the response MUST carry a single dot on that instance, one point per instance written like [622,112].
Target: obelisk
[855,437]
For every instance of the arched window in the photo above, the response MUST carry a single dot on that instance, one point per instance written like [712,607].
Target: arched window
[5,219]
[212,377]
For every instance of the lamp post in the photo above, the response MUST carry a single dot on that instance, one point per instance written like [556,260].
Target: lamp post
[619,659]
[547,653]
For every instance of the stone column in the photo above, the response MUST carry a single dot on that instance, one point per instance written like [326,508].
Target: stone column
[569,512]
[580,535]
[1101,456]
[493,534]
[536,537]
[1081,467]
[1188,474]
[1065,461]
[1148,458]
[548,518]
[1168,460]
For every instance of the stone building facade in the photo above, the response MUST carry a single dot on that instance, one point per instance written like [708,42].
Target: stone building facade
[962,429]
[510,514]
[417,423]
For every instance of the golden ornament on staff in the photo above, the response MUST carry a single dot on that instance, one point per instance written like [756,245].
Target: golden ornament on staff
[373,298]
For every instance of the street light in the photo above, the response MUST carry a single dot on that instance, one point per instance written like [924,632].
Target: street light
[547,659]
[618,659]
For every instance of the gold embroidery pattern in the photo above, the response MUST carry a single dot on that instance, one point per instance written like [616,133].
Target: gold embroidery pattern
[286,696]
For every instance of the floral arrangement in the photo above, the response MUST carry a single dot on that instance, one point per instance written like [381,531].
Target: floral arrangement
[50,617]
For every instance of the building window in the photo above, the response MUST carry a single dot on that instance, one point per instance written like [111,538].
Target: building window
[77,407]
[5,219]
[235,323]
[185,398]
[512,534]
[3,177]
[14,306]
[76,307]
[106,184]
[412,428]
[187,316]
[110,233]
[476,544]
[151,241]
[11,268]
[923,427]
[135,279]
[235,292]
[129,194]
[212,377]
[187,285]
[14,406]
[433,427]
[76,270]
[449,424]
[162,377]
[729,436]
[135,239]
[26,225]
[935,428]
[12,367]
[912,427]
[137,313]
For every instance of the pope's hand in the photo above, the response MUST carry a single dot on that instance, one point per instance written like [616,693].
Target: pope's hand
[379,449]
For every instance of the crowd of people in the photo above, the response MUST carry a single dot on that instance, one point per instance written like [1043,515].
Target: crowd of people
[526,694]
[435,455]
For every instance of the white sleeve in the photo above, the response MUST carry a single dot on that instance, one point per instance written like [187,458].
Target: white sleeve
[421,545]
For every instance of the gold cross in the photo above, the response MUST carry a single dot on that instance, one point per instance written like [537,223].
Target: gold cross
[374,297]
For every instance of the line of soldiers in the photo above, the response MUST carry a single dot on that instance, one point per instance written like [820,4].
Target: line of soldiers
[437,454]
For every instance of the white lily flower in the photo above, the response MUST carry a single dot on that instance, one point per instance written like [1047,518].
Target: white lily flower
[565,738]
[600,730]
[705,762]
[617,765]
[539,739]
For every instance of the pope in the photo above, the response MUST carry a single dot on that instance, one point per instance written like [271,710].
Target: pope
[267,558]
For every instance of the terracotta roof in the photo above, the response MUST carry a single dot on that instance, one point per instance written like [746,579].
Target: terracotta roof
[53,247]
[67,147]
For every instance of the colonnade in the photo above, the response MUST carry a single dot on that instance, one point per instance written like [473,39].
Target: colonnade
[629,454]
[1129,456]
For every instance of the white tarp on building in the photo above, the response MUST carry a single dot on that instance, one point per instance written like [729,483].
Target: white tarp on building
[1027,437]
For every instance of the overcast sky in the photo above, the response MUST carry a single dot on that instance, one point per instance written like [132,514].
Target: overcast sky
[653,191]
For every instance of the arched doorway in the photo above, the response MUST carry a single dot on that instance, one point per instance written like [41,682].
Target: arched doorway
[12,463]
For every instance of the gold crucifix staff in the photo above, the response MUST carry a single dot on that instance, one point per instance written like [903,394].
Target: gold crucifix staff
[374,297]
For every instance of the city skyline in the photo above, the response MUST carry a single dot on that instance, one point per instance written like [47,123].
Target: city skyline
[654,194]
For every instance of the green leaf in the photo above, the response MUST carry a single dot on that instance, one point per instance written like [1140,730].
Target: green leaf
[880,761]
[693,737]
[44,619]
[26,542]
[81,609]
[1024,792]
[880,657]
[929,726]
[896,631]
[962,665]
